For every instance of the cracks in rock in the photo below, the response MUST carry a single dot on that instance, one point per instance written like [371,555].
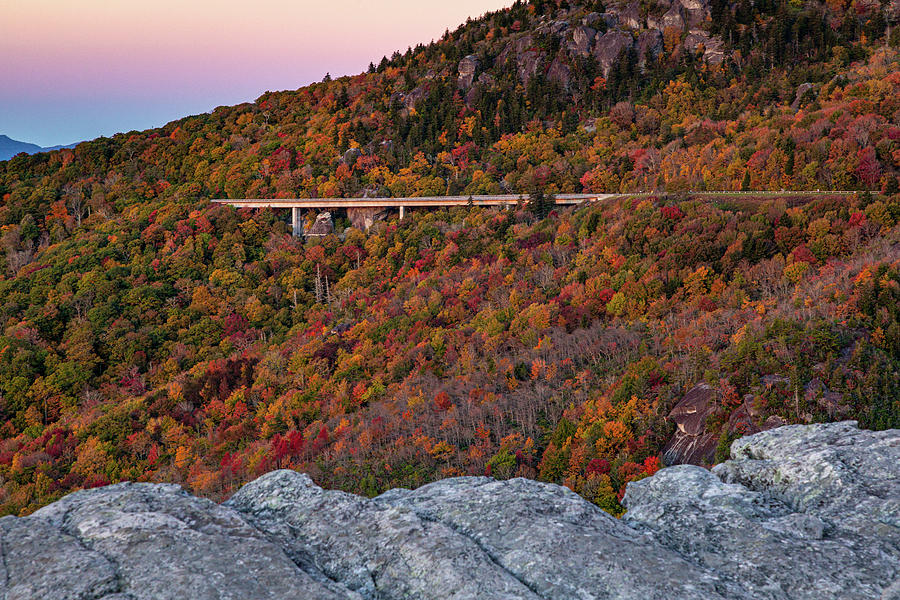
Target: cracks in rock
[305,564]
[306,561]
[493,558]
[5,565]
[118,581]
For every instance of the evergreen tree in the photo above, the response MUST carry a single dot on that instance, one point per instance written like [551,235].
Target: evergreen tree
[539,203]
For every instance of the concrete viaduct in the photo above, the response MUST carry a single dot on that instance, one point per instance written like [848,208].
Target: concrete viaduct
[363,211]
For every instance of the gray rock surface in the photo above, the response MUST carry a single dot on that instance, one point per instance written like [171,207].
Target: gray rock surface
[468,66]
[560,73]
[848,476]
[549,537]
[610,47]
[799,512]
[375,549]
[582,39]
[33,569]
[713,48]
[528,59]
[672,19]
[801,91]
[650,45]
[161,543]
[630,16]
[803,511]
[697,11]
[323,226]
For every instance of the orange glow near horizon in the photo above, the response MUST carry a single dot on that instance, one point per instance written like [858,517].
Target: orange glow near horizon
[161,60]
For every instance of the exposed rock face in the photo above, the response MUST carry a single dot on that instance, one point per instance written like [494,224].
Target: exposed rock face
[467,69]
[823,499]
[363,218]
[150,542]
[847,476]
[673,19]
[322,227]
[800,512]
[582,38]
[486,79]
[528,64]
[560,73]
[550,538]
[609,47]
[354,541]
[603,36]
[528,59]
[713,48]
[696,11]
[33,567]
[610,19]
[412,98]
[691,443]
[650,44]
[558,27]
[350,156]
[629,16]
[801,91]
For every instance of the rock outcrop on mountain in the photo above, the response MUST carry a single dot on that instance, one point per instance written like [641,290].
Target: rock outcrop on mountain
[322,227]
[467,68]
[798,512]
[610,47]
[609,37]
[693,443]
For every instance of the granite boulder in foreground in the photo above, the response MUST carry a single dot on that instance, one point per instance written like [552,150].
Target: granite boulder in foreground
[798,512]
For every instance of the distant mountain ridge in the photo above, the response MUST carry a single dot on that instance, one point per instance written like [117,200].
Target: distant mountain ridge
[10,147]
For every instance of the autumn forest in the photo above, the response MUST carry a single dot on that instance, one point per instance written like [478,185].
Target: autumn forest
[147,334]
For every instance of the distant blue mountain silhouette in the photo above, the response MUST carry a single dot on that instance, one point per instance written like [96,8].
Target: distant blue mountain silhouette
[10,147]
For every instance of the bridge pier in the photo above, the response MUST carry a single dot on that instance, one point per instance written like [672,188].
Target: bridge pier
[295,222]
[402,212]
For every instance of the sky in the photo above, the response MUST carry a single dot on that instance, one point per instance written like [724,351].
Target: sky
[73,70]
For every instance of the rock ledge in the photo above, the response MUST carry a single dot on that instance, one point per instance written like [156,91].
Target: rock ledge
[806,512]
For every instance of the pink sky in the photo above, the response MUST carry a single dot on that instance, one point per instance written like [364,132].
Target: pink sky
[77,69]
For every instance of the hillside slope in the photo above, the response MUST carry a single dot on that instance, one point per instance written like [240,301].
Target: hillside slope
[148,335]
[663,96]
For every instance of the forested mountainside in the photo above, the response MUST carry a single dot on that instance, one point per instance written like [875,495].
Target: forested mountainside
[148,335]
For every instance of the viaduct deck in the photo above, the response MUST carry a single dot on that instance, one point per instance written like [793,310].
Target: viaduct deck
[496,200]
[417,202]
[298,204]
